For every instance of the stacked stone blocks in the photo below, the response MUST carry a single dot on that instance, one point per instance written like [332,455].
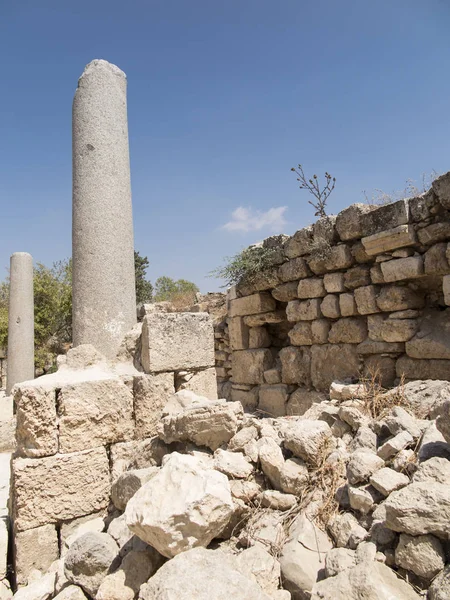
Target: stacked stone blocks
[80,428]
[355,294]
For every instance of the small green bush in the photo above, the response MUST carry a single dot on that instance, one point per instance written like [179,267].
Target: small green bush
[245,266]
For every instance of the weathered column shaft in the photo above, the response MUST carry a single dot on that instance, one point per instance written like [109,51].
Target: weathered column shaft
[20,366]
[104,297]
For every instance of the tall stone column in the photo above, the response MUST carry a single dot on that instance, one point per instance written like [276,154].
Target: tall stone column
[104,297]
[20,366]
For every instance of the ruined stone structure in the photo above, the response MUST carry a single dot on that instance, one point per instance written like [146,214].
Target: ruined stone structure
[79,428]
[359,293]
[104,297]
[20,365]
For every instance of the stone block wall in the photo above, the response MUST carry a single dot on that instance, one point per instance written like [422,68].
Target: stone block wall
[355,294]
[81,427]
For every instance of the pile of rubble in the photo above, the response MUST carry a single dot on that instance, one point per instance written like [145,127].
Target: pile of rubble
[348,501]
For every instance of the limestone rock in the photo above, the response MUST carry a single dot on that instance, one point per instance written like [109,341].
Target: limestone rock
[440,588]
[390,239]
[432,339]
[402,268]
[249,365]
[338,560]
[348,221]
[34,549]
[300,243]
[183,506]
[89,559]
[217,577]
[387,480]
[60,488]
[177,341]
[348,331]
[420,508]
[306,310]
[346,531]
[308,439]
[371,581]
[362,465]
[137,454]
[151,393]
[251,305]
[434,469]
[36,431]
[273,399]
[124,584]
[277,500]
[41,589]
[295,365]
[232,464]
[258,563]
[290,476]
[423,555]
[124,488]
[394,298]
[72,592]
[395,444]
[302,400]
[205,424]
[286,291]
[293,269]
[330,362]
[94,413]
[443,420]
[303,556]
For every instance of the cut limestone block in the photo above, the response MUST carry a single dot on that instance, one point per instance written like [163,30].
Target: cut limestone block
[249,365]
[402,268]
[252,305]
[399,237]
[203,383]
[178,341]
[57,488]
[35,549]
[37,428]
[151,394]
[330,362]
[385,217]
[94,413]
[238,332]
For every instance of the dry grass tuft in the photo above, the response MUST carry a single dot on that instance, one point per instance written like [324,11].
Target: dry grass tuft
[378,401]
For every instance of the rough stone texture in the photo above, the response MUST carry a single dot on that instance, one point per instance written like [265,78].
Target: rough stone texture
[252,305]
[293,269]
[385,217]
[423,555]
[307,310]
[127,484]
[232,464]
[390,239]
[303,557]
[40,589]
[238,332]
[365,298]
[203,383]
[411,368]
[348,221]
[137,454]
[259,337]
[441,187]
[337,257]
[94,413]
[89,559]
[393,297]
[183,506]
[62,487]
[102,311]
[330,307]
[151,394]
[248,398]
[311,288]
[177,341]
[338,560]
[306,439]
[375,347]
[135,569]
[34,549]
[402,268]
[357,277]
[334,282]
[217,577]
[301,400]
[37,428]
[420,508]
[348,331]
[395,444]
[440,588]
[347,305]
[295,365]
[286,291]
[20,366]
[276,316]
[346,531]
[249,365]
[331,362]
[273,399]
[387,480]
[434,469]
[368,580]
[362,465]
[433,338]
[443,420]
[205,423]
[436,260]
[446,289]
[72,592]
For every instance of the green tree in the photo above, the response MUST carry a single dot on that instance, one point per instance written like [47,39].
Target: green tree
[144,289]
[180,291]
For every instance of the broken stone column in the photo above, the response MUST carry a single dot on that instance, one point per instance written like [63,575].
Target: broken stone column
[104,297]
[20,366]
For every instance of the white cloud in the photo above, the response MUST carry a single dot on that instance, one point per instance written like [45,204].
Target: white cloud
[248,219]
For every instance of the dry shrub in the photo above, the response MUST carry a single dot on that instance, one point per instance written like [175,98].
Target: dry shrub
[182,302]
[378,401]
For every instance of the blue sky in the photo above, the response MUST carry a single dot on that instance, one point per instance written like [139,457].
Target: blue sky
[223,98]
